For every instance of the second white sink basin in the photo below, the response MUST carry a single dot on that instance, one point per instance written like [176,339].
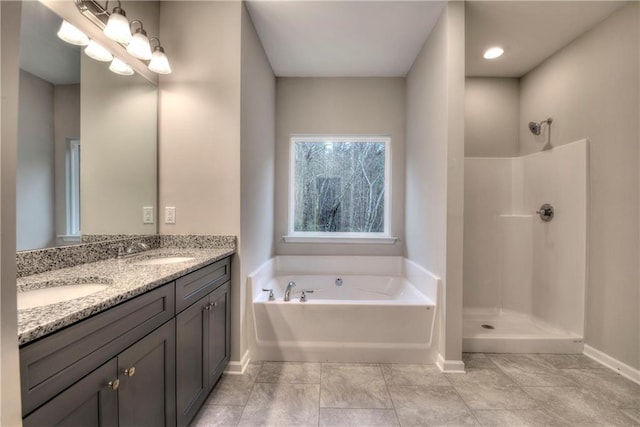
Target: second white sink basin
[164,260]
[55,294]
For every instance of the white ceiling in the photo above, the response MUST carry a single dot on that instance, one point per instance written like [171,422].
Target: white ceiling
[529,31]
[307,38]
[42,53]
[343,38]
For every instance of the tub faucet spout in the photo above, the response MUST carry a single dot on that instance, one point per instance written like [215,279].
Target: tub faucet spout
[287,292]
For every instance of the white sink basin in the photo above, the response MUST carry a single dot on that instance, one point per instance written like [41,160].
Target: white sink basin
[164,260]
[46,296]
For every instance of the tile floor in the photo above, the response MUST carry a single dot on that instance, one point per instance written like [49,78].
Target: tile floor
[497,390]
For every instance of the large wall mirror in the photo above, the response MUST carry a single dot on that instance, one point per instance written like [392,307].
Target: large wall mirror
[87,141]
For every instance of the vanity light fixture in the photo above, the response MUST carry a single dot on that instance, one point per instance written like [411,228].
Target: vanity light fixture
[139,45]
[117,28]
[71,34]
[97,52]
[493,53]
[159,62]
[120,67]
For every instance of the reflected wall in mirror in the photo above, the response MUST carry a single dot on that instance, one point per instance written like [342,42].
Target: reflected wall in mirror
[87,161]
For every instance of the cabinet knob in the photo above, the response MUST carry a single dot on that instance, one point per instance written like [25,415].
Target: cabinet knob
[130,372]
[208,306]
[113,385]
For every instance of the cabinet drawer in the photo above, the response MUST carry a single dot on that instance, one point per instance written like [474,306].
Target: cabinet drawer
[194,286]
[53,363]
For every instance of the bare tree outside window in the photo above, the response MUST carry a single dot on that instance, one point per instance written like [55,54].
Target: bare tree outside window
[339,185]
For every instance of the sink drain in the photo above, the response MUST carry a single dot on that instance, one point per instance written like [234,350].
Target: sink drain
[487,326]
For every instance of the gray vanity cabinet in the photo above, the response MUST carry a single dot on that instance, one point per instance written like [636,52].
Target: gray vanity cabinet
[137,363]
[135,388]
[202,341]
[89,402]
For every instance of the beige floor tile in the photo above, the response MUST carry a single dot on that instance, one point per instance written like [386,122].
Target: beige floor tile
[570,361]
[332,417]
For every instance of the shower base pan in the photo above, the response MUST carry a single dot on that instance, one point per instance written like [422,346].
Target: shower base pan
[508,332]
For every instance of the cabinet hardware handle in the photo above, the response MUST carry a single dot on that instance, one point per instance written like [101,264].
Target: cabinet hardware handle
[130,372]
[215,304]
[208,306]
[114,384]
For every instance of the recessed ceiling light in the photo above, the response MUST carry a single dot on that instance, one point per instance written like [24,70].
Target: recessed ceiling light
[493,53]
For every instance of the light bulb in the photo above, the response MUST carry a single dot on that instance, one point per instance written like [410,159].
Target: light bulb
[117,28]
[97,52]
[139,45]
[120,67]
[159,62]
[72,35]
[493,53]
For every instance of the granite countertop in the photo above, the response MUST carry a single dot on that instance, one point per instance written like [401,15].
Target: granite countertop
[125,281]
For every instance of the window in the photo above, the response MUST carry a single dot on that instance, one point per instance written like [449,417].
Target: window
[339,188]
[73,187]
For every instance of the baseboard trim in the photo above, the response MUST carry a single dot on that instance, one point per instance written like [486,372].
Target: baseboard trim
[450,366]
[238,367]
[612,363]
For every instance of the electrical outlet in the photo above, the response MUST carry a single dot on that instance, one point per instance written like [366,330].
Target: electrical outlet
[147,215]
[169,215]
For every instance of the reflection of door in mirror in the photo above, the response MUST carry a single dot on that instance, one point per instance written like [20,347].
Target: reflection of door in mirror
[48,117]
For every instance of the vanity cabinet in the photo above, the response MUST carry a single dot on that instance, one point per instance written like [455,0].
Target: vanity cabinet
[202,339]
[149,361]
[135,388]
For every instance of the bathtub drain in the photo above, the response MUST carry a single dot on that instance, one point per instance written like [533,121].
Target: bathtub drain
[487,326]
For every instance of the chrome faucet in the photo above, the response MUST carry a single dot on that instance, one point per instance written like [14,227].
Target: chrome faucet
[129,250]
[287,292]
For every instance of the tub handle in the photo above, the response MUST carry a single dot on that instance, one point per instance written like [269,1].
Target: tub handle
[271,297]
[303,296]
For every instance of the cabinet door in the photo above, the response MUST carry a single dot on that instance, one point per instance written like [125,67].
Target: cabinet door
[218,333]
[147,380]
[89,402]
[191,371]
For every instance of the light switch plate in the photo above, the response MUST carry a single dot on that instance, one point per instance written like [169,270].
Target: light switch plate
[169,215]
[147,215]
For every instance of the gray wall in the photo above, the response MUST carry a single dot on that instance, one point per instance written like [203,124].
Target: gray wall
[339,106]
[434,167]
[491,117]
[118,172]
[257,160]
[35,173]
[10,408]
[591,90]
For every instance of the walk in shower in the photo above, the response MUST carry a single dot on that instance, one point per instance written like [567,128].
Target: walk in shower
[525,246]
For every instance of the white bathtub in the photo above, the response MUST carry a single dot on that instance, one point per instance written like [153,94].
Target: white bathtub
[384,311]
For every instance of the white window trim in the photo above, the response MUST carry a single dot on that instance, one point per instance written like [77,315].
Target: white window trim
[330,237]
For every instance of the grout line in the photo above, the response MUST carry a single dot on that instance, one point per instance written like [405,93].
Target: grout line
[393,404]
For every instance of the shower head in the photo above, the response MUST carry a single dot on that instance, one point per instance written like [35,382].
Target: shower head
[535,128]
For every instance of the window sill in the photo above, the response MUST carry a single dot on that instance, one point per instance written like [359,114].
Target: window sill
[344,239]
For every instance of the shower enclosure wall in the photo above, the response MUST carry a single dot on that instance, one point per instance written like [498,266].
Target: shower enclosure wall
[524,278]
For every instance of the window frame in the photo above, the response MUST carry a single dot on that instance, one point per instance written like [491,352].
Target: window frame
[383,237]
